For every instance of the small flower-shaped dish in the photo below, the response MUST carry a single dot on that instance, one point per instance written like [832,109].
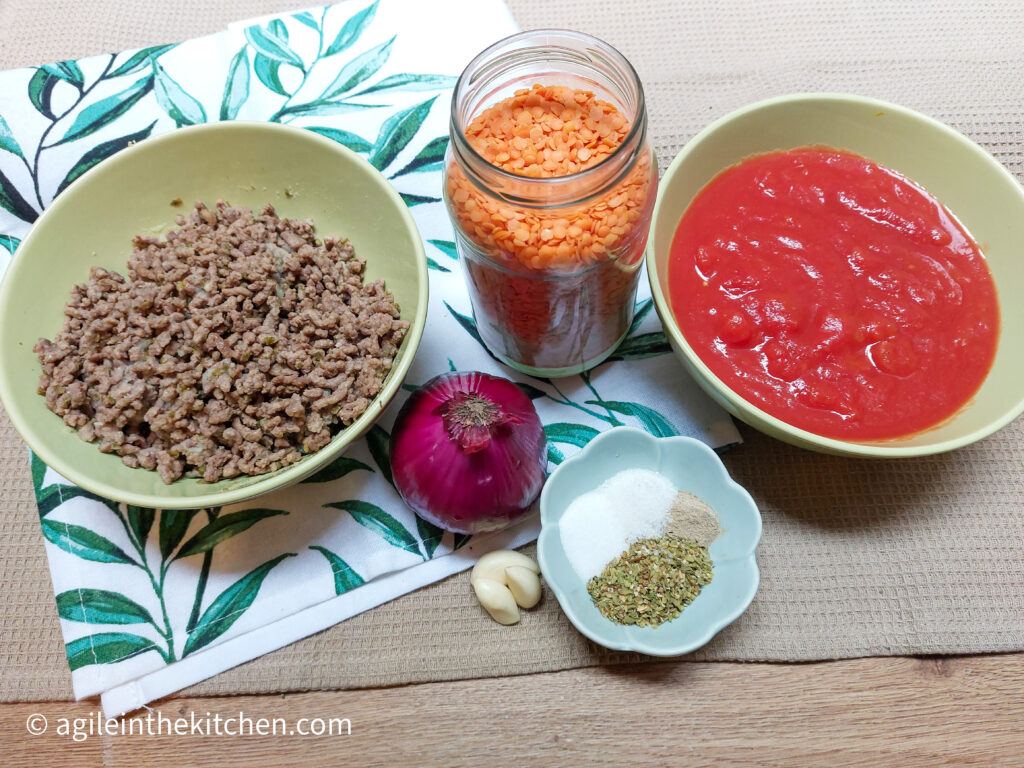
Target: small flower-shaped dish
[691,466]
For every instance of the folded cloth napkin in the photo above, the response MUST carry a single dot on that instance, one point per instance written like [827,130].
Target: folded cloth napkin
[151,601]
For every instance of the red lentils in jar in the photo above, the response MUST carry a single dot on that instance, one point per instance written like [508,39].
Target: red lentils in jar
[552,198]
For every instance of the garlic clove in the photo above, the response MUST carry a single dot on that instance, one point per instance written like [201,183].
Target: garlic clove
[524,585]
[497,600]
[492,565]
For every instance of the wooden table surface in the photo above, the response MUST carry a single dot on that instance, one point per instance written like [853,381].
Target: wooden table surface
[864,712]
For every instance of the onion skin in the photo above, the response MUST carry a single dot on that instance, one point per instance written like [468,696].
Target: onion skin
[468,452]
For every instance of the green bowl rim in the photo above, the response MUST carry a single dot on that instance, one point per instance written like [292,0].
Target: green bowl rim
[850,448]
[282,477]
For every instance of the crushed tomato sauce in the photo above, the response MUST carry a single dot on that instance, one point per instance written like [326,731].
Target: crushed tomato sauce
[834,294]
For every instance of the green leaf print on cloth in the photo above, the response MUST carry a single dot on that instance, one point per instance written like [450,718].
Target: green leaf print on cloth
[374,518]
[7,141]
[229,606]
[101,152]
[223,528]
[272,45]
[102,113]
[568,434]
[430,536]
[345,577]
[68,71]
[140,60]
[83,543]
[101,606]
[349,139]
[360,69]
[396,133]
[236,89]
[182,108]
[379,442]
[40,91]
[429,158]
[95,605]
[352,29]
[340,467]
[11,199]
[107,648]
[55,495]
[650,419]
[174,524]
[266,70]
[75,114]
[9,243]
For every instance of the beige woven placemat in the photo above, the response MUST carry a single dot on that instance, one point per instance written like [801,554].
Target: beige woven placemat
[858,557]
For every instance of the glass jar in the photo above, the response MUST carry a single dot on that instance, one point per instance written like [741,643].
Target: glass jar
[551,263]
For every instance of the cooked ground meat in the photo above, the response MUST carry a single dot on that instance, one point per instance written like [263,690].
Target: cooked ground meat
[236,346]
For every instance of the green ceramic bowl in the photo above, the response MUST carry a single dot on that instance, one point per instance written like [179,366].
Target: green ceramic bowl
[691,466]
[977,189]
[92,223]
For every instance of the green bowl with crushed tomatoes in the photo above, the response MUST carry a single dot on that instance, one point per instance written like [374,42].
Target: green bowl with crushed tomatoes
[141,190]
[985,198]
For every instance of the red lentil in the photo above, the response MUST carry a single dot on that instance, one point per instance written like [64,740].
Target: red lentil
[557,290]
[545,132]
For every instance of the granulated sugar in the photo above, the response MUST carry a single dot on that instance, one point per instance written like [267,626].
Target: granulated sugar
[599,525]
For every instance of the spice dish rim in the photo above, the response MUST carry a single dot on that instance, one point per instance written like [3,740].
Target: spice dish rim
[736,575]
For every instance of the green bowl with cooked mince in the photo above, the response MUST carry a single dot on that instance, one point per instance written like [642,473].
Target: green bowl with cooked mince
[141,191]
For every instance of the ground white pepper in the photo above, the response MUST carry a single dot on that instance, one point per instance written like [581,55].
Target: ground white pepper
[690,517]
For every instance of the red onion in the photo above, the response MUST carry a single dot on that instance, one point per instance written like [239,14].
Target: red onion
[468,452]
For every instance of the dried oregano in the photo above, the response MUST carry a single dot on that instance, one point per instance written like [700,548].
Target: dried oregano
[652,581]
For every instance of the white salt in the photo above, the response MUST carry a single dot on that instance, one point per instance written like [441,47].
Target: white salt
[599,526]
